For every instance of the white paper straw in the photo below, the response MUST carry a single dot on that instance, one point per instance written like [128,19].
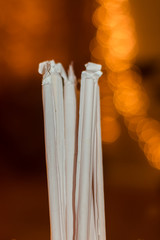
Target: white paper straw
[80,127]
[70,148]
[57,88]
[50,143]
[93,232]
[84,179]
[100,185]
[75,180]
[55,111]
[94,159]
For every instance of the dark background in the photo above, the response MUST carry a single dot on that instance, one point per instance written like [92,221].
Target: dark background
[32,31]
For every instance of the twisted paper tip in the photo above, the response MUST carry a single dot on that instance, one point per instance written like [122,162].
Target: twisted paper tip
[71,76]
[48,67]
[93,71]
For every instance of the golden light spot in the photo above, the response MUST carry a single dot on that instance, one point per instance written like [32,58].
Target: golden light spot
[115,45]
[102,37]
[110,129]
[116,64]
[99,16]
[97,52]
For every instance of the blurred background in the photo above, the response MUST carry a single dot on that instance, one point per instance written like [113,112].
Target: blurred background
[124,37]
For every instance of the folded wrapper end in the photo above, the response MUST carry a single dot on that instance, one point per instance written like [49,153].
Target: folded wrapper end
[60,69]
[93,71]
[71,75]
[45,69]
[93,67]
[48,67]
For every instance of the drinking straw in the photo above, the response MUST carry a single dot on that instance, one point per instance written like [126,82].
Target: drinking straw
[52,91]
[97,181]
[94,164]
[84,161]
[93,232]
[57,88]
[70,147]
[100,186]
[75,180]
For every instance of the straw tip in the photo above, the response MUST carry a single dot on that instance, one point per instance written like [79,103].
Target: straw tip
[92,71]
[93,67]
[45,66]
[71,75]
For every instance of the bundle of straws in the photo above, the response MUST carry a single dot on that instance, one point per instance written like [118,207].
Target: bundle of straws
[73,157]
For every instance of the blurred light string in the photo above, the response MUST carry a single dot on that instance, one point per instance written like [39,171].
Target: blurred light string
[115,47]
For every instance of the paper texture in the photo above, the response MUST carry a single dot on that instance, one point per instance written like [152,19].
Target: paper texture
[73,153]
[86,152]
[70,148]
[55,147]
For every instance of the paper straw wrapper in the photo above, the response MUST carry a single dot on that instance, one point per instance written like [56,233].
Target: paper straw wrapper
[100,185]
[75,173]
[85,146]
[52,93]
[70,117]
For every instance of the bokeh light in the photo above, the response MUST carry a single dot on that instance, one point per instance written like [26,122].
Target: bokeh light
[110,129]
[115,47]
[122,91]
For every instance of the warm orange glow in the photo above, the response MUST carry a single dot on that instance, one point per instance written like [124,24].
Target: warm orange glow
[148,131]
[110,125]
[99,17]
[115,34]
[115,46]
[31,31]
[129,97]
[110,129]
[107,107]
[25,21]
